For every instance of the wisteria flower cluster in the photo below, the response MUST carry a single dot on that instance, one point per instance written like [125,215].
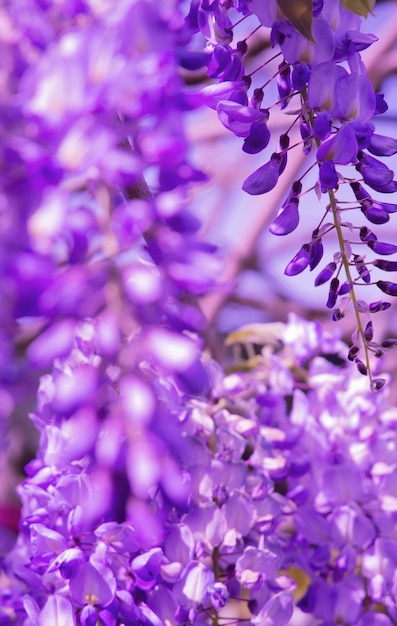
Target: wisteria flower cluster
[168,488]
[322,83]
[257,523]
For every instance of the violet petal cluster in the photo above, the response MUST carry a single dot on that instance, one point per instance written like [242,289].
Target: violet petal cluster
[322,84]
[166,490]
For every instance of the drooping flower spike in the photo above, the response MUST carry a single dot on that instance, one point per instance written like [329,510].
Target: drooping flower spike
[322,79]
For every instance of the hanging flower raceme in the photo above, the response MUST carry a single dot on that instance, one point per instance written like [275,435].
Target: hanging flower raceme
[321,81]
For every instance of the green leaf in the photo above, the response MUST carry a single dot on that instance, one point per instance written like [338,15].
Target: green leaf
[359,7]
[300,14]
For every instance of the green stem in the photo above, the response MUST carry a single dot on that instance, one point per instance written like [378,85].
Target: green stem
[346,266]
[341,241]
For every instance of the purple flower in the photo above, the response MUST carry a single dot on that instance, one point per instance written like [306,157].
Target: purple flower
[224,63]
[382,248]
[347,44]
[335,487]
[387,266]
[138,401]
[92,584]
[355,98]
[297,48]
[239,118]
[322,125]
[300,75]
[284,84]
[333,293]
[311,525]
[375,307]
[255,566]
[387,287]
[265,178]
[340,148]
[67,562]
[316,252]
[257,139]
[328,175]
[235,91]
[376,174]
[179,545]
[195,584]
[307,136]
[325,274]
[219,595]
[240,515]
[322,87]
[146,568]
[46,542]
[382,146]
[207,524]
[299,263]
[351,526]
[374,211]
[287,221]
[57,610]
[367,235]
[55,342]
[381,104]
[275,612]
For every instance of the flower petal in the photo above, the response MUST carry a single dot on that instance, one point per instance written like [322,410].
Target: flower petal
[264,178]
